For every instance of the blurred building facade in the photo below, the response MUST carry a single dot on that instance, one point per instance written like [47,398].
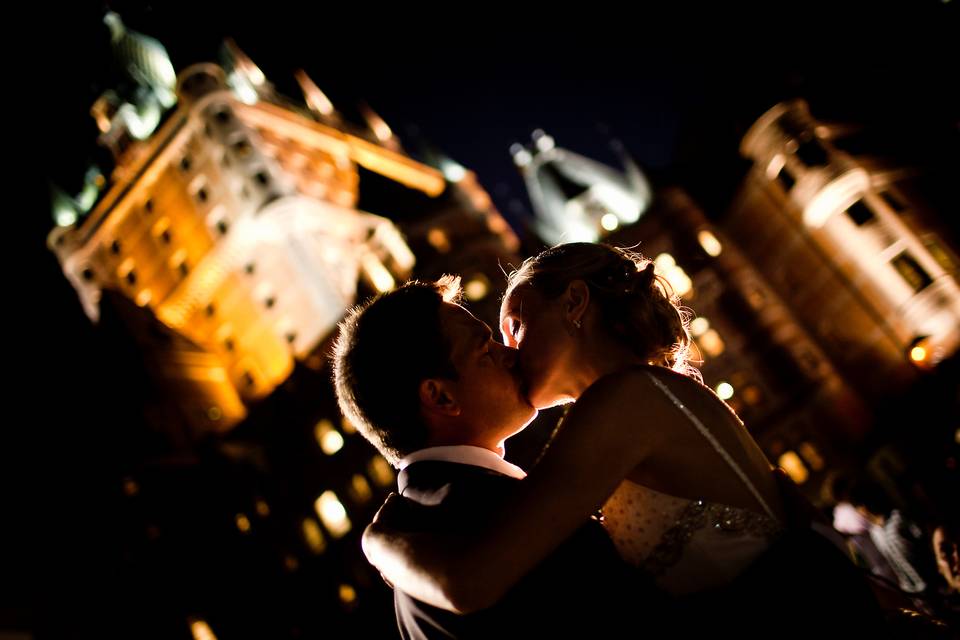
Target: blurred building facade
[855,255]
[823,290]
[216,255]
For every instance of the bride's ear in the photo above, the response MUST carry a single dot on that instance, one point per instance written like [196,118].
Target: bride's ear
[435,397]
[576,299]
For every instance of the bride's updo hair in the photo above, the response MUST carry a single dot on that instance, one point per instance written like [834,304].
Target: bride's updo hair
[637,305]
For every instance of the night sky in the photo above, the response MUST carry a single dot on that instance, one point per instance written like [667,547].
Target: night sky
[678,88]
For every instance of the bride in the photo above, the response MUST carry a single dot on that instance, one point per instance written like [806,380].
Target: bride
[687,495]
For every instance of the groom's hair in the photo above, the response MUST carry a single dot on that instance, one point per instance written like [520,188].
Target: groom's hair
[385,348]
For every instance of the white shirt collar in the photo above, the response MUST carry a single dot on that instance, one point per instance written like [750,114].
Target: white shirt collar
[466,454]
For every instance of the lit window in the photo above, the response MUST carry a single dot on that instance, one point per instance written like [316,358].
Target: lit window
[438,240]
[664,261]
[380,471]
[609,221]
[332,514]
[162,225]
[477,288]
[709,242]
[699,326]
[201,630]
[130,487]
[711,343]
[378,274]
[939,253]
[360,489]
[756,298]
[751,395]
[793,465]
[911,271]
[667,267]
[924,353]
[328,437]
[348,595]
[811,455]
[313,536]
[243,523]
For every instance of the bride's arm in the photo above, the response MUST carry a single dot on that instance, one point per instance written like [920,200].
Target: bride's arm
[414,562]
[596,448]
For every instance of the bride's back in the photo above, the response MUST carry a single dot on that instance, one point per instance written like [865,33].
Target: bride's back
[685,464]
[703,506]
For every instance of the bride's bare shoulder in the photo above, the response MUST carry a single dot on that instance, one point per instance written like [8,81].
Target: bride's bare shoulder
[630,394]
[643,379]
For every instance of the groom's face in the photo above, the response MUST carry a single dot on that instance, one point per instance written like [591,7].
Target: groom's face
[488,389]
[534,326]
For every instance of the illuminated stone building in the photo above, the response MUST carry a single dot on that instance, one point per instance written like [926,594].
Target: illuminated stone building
[773,291]
[215,257]
[862,264]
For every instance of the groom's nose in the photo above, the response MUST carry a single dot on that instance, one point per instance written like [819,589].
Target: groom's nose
[508,357]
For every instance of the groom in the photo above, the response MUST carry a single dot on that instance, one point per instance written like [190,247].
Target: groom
[425,383]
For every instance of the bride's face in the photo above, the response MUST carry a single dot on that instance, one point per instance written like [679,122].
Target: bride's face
[534,326]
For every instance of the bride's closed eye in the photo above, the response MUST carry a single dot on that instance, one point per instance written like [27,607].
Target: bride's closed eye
[514,329]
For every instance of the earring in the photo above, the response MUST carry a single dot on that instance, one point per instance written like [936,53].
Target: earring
[577,323]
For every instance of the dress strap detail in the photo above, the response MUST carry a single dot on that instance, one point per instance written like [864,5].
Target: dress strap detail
[713,441]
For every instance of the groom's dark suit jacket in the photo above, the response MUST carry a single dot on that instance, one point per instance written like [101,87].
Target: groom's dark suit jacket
[581,590]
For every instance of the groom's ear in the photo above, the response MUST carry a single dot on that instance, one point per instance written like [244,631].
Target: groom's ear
[436,397]
[576,299]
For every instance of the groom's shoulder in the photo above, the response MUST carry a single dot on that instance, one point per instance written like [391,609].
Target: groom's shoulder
[437,490]
[456,477]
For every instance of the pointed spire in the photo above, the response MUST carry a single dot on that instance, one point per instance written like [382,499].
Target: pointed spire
[521,156]
[542,141]
[64,209]
[93,183]
[104,109]
[143,59]
[68,209]
[243,75]
[317,101]
[381,130]
[576,198]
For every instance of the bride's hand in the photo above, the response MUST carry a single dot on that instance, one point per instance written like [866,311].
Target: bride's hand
[394,509]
